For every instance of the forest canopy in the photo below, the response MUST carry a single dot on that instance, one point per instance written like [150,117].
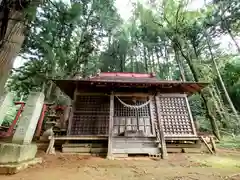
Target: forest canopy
[165,37]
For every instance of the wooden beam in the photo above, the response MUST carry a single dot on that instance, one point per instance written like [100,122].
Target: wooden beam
[152,114]
[162,138]
[72,112]
[185,145]
[206,144]
[80,137]
[110,134]
[131,94]
[214,148]
[190,116]
[147,150]
[50,149]
[91,94]
[171,95]
[83,150]
[182,138]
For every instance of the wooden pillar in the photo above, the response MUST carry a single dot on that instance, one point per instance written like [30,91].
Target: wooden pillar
[110,127]
[160,126]
[214,148]
[152,113]
[190,116]
[72,112]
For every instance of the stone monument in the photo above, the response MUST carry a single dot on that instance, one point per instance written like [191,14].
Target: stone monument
[21,152]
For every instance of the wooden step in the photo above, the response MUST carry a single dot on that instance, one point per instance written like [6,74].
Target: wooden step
[83,150]
[92,145]
[87,154]
[185,145]
[184,150]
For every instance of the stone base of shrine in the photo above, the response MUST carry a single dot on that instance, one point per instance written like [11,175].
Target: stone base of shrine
[13,168]
[16,157]
[16,153]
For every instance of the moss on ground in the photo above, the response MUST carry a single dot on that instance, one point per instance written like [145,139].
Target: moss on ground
[216,161]
[230,142]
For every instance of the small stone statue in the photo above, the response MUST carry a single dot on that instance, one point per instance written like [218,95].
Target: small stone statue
[77,76]
[98,72]
[47,133]
[197,125]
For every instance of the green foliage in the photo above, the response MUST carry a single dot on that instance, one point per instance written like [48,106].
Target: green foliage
[12,111]
[63,41]
[231,76]
[196,105]
[232,142]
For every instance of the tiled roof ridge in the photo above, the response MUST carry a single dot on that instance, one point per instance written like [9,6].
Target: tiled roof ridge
[126,74]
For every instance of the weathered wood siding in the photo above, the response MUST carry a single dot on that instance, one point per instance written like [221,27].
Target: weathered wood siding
[136,145]
[91,116]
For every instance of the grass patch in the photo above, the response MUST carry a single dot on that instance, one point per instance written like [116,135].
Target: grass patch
[230,142]
[219,162]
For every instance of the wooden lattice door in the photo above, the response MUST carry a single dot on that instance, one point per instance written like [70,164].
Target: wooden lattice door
[175,115]
[91,115]
[130,119]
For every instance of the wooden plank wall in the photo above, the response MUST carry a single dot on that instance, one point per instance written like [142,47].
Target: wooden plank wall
[91,116]
[136,145]
[109,117]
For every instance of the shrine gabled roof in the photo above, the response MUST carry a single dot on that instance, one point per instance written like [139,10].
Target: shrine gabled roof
[130,80]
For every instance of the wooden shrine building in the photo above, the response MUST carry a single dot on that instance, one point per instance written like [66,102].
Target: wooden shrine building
[134,113]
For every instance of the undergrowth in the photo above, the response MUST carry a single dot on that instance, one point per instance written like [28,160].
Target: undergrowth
[230,142]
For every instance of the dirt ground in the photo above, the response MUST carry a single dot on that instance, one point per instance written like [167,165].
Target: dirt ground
[224,166]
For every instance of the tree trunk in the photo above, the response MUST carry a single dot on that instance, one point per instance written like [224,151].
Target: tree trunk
[149,60]
[218,109]
[166,55]
[228,29]
[221,80]
[204,98]
[224,109]
[78,56]
[49,91]
[3,78]
[159,65]
[217,93]
[145,59]
[132,60]
[232,37]
[179,63]
[11,40]
[153,62]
